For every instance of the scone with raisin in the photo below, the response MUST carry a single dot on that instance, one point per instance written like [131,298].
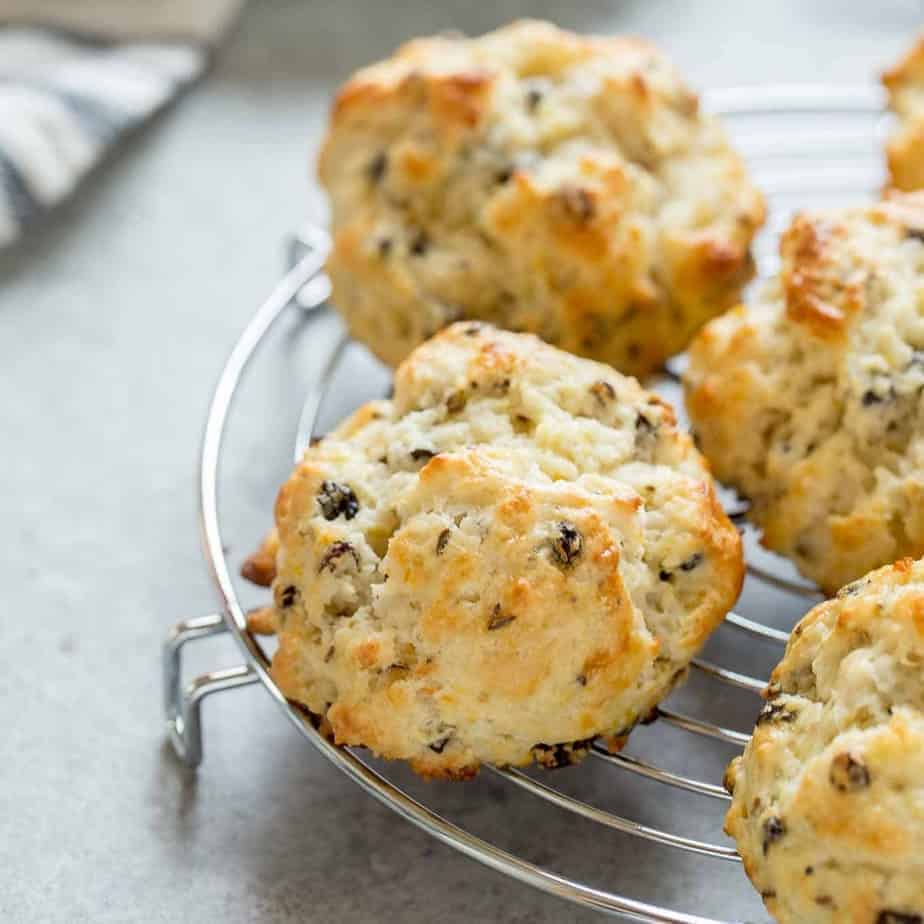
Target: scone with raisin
[828,799]
[905,150]
[544,182]
[516,554]
[810,401]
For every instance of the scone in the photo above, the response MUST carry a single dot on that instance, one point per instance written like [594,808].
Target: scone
[538,180]
[809,400]
[828,799]
[905,149]
[516,554]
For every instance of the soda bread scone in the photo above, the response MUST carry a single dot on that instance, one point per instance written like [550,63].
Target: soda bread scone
[905,149]
[542,181]
[828,798]
[809,400]
[516,554]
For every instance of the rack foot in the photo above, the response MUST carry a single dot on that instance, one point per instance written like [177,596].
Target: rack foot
[183,705]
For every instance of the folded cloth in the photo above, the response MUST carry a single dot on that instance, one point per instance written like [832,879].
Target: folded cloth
[76,76]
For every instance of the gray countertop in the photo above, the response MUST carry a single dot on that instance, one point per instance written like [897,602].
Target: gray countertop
[115,318]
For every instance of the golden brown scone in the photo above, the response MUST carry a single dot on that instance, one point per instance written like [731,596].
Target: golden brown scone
[809,401]
[538,180]
[905,150]
[518,553]
[828,799]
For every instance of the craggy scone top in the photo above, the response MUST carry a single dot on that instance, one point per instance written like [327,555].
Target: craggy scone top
[828,799]
[905,149]
[517,553]
[539,180]
[811,400]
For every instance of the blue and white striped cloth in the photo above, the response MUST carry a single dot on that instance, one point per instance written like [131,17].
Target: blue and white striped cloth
[66,99]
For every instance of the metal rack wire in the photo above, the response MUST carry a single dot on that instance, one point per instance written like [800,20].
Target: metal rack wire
[805,146]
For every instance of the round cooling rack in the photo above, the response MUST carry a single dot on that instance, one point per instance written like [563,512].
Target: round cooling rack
[805,147]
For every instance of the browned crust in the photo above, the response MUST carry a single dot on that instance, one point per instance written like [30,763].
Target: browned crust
[821,295]
[458,96]
[813,298]
[455,101]
[263,621]
[903,153]
[260,567]
[908,68]
[905,147]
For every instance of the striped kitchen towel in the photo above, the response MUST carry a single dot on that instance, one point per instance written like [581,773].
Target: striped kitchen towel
[76,75]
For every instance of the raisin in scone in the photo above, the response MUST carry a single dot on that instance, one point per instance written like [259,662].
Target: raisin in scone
[828,799]
[538,180]
[809,400]
[905,149]
[516,554]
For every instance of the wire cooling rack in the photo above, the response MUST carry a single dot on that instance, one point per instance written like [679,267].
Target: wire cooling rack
[806,146]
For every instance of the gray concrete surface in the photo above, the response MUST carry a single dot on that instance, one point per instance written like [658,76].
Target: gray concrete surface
[115,317]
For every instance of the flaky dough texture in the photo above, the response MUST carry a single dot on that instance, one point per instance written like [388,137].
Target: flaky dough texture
[539,180]
[905,149]
[828,799]
[809,400]
[516,554]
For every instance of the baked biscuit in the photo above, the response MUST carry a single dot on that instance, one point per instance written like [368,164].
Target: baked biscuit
[905,150]
[516,554]
[544,182]
[828,804]
[809,401]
